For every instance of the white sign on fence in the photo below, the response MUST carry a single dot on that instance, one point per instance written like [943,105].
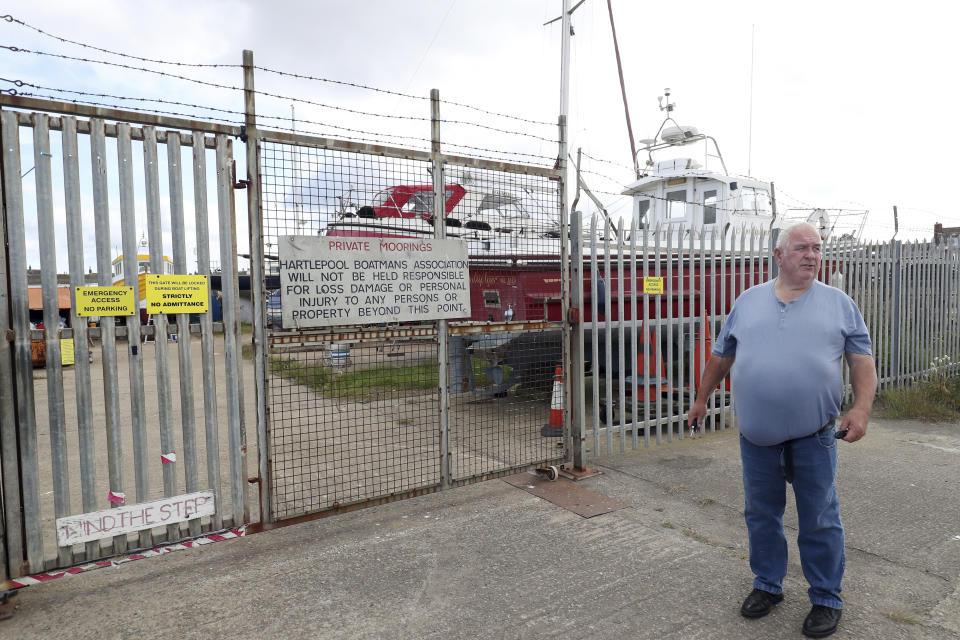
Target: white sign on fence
[332,281]
[134,517]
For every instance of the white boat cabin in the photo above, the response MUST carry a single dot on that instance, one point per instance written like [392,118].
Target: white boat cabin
[680,192]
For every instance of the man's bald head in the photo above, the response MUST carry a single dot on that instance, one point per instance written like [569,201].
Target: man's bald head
[784,239]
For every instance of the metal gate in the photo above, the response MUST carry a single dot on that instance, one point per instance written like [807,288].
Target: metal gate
[367,413]
[99,413]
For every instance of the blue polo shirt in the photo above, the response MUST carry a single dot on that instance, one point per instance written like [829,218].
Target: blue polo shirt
[787,376]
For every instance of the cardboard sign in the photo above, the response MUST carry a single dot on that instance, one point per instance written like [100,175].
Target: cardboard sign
[105,301]
[177,294]
[135,517]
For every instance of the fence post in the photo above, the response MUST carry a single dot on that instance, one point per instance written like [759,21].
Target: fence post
[9,466]
[773,269]
[443,326]
[257,293]
[577,414]
[895,321]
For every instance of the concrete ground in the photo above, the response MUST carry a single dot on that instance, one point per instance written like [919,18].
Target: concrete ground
[490,560]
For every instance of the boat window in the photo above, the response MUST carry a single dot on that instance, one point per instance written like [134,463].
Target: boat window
[764,207]
[382,197]
[748,201]
[643,208]
[676,204]
[710,207]
[419,202]
[503,203]
[422,201]
[491,298]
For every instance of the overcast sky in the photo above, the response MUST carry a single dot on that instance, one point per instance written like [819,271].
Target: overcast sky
[852,102]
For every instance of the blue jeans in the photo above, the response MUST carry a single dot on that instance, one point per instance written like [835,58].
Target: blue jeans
[821,532]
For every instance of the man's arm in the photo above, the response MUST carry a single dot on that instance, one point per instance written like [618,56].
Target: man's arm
[863,376]
[713,374]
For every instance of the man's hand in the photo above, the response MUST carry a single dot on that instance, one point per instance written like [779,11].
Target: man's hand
[697,413]
[863,377]
[856,423]
[713,374]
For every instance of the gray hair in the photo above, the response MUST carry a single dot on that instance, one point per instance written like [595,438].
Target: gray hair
[784,238]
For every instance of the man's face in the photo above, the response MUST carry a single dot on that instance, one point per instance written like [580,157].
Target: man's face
[800,262]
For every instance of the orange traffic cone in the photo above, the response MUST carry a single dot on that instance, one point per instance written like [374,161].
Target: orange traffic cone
[657,378]
[554,429]
[698,362]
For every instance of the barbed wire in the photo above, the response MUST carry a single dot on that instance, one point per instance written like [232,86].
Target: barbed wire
[610,162]
[10,18]
[358,85]
[275,95]
[21,83]
[784,194]
[120,65]
[241,114]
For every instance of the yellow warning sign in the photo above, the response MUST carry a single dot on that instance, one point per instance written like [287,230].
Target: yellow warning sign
[653,285]
[105,301]
[177,294]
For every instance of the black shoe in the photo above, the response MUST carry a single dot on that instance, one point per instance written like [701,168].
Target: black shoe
[821,621]
[759,603]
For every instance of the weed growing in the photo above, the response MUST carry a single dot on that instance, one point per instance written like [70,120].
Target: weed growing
[934,399]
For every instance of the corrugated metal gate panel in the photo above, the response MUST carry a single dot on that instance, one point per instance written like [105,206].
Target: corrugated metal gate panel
[69,447]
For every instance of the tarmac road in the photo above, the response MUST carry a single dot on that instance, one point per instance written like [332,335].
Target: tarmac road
[490,560]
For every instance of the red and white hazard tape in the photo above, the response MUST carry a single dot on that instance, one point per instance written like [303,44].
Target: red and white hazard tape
[40,578]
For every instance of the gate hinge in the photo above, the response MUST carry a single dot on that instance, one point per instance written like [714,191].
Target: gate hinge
[241,184]
[243,134]
[573,315]
[11,336]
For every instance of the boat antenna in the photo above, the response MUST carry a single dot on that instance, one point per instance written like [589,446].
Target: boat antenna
[750,128]
[623,92]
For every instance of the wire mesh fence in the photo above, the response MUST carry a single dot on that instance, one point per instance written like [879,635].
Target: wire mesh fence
[357,409]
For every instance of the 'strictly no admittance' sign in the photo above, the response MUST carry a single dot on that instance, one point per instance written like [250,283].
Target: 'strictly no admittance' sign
[342,281]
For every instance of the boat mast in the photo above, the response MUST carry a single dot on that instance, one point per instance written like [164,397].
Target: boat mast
[623,92]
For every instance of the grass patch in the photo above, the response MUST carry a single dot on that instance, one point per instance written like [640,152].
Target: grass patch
[365,383]
[936,400]
[668,525]
[699,537]
[707,501]
[359,384]
[904,618]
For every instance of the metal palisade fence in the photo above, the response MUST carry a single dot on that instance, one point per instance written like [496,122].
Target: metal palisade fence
[106,412]
[654,300]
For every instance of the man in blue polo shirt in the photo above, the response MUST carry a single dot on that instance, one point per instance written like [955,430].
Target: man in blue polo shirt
[784,341]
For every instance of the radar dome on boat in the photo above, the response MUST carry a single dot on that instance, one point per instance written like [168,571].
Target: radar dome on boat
[673,135]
